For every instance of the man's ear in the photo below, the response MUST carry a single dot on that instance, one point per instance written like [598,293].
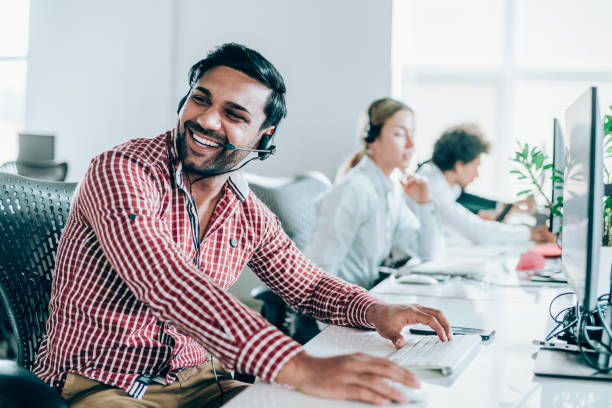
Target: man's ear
[270,130]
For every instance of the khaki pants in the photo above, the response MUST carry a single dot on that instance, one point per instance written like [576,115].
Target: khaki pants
[194,387]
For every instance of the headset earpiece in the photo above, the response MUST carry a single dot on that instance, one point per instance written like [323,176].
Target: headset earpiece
[372,133]
[266,144]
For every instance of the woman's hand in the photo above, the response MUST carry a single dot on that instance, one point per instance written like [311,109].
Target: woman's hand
[416,188]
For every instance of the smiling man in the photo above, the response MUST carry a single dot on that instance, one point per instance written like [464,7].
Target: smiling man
[160,228]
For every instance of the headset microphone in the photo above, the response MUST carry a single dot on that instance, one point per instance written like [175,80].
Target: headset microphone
[229,146]
[265,148]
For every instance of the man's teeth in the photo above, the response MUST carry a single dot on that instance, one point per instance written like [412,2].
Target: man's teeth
[204,142]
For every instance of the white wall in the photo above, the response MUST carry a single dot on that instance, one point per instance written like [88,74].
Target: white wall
[102,72]
[98,74]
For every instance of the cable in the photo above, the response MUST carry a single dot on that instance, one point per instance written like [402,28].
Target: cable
[553,301]
[602,318]
[222,172]
[565,323]
[212,363]
[585,355]
[582,327]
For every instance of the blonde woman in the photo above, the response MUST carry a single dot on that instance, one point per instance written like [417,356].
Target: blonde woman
[364,220]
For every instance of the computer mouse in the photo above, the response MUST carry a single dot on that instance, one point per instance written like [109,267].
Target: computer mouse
[414,395]
[417,279]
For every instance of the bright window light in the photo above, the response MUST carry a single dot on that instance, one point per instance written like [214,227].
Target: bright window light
[509,65]
[14,27]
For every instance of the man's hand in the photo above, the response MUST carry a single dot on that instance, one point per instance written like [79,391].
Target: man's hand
[350,377]
[542,235]
[390,320]
[416,188]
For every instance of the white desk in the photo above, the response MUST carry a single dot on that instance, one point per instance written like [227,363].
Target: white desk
[500,375]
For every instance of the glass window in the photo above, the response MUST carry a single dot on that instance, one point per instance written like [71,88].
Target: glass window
[509,65]
[14,24]
[12,104]
[564,34]
[445,33]
[438,106]
[537,102]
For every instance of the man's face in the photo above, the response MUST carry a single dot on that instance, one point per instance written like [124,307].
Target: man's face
[467,172]
[225,106]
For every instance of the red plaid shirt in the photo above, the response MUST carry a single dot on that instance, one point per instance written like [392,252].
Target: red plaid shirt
[135,292]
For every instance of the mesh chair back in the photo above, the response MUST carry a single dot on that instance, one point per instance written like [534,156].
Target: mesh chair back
[52,171]
[32,216]
[292,200]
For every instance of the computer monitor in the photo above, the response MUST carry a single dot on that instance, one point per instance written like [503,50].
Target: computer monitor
[36,147]
[558,169]
[583,197]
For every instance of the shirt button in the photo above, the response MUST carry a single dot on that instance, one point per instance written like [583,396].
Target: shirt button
[233,242]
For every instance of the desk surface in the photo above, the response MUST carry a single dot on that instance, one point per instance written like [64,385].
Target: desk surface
[500,374]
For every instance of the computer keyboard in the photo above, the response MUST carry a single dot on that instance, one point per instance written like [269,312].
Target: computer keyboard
[450,267]
[428,352]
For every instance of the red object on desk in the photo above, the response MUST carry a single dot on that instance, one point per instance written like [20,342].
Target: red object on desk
[530,260]
[547,250]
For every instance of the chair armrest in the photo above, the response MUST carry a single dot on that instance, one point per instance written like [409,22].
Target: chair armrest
[21,388]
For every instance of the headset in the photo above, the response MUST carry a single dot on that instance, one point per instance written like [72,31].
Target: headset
[372,131]
[264,149]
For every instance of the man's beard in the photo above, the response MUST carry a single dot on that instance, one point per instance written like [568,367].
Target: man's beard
[222,162]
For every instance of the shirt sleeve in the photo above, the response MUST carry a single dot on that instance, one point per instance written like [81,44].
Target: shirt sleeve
[120,199]
[418,233]
[477,230]
[304,286]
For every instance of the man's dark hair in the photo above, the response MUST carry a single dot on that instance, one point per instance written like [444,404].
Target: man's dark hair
[459,143]
[251,63]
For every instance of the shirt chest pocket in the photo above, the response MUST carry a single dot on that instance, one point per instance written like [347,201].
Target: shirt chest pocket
[223,257]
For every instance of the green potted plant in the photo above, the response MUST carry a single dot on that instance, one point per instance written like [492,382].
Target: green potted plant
[534,167]
[607,215]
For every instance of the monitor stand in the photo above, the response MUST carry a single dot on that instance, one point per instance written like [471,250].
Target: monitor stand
[557,363]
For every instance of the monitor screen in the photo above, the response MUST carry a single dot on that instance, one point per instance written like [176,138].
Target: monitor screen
[583,197]
[558,168]
[36,148]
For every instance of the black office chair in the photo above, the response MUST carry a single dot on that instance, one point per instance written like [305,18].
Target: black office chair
[51,170]
[293,201]
[32,216]
[19,388]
